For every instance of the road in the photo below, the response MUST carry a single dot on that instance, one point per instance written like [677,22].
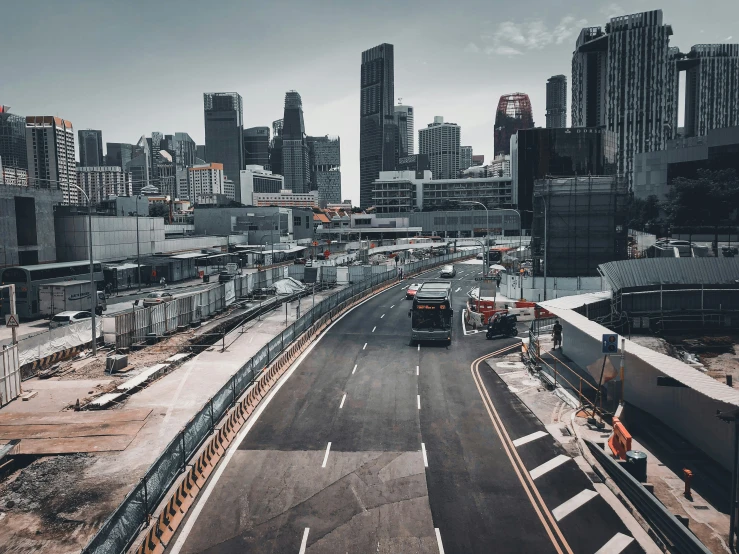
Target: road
[374,445]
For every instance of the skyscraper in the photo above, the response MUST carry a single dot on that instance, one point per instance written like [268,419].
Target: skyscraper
[12,139]
[118,154]
[91,148]
[408,111]
[440,142]
[256,146]
[625,79]
[184,150]
[711,87]
[224,131]
[295,163]
[557,102]
[376,102]
[465,157]
[513,114]
[275,147]
[51,157]
[325,168]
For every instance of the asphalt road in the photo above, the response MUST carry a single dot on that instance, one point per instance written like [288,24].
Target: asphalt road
[374,445]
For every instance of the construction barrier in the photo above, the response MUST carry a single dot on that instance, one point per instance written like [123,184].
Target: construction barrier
[620,441]
[252,381]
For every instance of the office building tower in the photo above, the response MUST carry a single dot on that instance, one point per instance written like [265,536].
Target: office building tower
[185,150]
[104,181]
[402,146]
[624,79]
[295,163]
[224,131]
[478,159]
[408,111]
[513,114]
[557,102]
[139,166]
[711,87]
[275,147]
[325,168]
[13,151]
[118,154]
[51,156]
[200,151]
[440,142]
[91,148]
[257,180]
[376,102]
[465,157]
[205,180]
[256,146]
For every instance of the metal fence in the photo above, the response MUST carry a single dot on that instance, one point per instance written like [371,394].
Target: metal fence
[10,375]
[124,524]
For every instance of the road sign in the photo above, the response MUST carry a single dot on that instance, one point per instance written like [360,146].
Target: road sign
[11,320]
[610,343]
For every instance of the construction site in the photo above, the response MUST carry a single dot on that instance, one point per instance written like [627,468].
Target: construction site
[579,223]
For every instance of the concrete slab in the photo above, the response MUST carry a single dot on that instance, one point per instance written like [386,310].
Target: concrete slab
[53,395]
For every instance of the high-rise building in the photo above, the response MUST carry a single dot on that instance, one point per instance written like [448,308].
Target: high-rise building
[513,114]
[200,151]
[91,148]
[275,147]
[185,150]
[295,162]
[440,142]
[465,157]
[402,146]
[103,181]
[206,179]
[325,168]
[557,102]
[711,87]
[139,166]
[224,130]
[376,102]
[51,156]
[118,154]
[13,151]
[408,111]
[256,146]
[478,159]
[624,78]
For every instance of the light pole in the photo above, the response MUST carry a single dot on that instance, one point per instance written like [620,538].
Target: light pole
[138,251]
[93,287]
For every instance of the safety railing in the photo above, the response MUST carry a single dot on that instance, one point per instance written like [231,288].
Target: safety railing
[120,529]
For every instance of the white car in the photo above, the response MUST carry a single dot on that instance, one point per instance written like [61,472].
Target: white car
[155,298]
[63,319]
[448,271]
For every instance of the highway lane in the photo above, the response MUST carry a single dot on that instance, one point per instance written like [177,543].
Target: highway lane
[373,445]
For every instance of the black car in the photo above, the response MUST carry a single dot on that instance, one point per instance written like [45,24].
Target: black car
[224,277]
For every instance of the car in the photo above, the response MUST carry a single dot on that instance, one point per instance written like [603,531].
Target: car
[155,298]
[410,292]
[479,256]
[224,277]
[448,271]
[63,319]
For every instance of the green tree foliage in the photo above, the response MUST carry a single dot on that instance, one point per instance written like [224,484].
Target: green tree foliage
[159,210]
[710,199]
[644,215]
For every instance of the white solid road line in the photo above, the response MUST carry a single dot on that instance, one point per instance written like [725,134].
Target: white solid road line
[419,347]
[383,315]
[355,369]
[304,542]
[425,459]
[373,329]
[618,542]
[325,458]
[529,438]
[365,346]
[416,370]
[548,466]
[342,401]
[391,307]
[569,506]
[457,289]
[438,540]
[418,399]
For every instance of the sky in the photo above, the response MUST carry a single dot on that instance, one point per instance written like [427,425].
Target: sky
[130,68]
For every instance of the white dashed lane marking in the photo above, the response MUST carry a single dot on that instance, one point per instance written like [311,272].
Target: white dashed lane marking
[548,466]
[529,438]
[325,458]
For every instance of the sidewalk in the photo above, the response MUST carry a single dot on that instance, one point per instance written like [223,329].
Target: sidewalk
[65,507]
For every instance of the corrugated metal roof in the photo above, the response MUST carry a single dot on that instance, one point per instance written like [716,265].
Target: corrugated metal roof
[670,271]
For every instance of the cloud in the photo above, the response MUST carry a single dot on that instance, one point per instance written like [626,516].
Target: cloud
[729,37]
[612,10]
[512,39]
[472,48]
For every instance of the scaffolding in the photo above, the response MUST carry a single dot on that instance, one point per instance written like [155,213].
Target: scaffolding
[581,222]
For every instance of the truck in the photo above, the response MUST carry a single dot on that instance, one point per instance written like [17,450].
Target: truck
[68,296]
[232,269]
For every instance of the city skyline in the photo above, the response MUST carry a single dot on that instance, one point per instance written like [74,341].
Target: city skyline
[545,43]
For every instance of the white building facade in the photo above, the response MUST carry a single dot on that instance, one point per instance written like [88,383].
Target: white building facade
[51,155]
[256,179]
[102,182]
[205,179]
[440,142]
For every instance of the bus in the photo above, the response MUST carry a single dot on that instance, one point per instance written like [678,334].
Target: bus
[431,312]
[27,279]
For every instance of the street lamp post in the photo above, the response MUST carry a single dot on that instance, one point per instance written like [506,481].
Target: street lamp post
[93,287]
[138,250]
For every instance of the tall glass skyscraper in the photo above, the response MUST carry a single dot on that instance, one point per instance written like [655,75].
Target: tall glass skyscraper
[91,148]
[12,139]
[376,102]
[295,163]
[224,127]
[256,146]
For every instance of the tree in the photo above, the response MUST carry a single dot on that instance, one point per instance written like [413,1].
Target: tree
[644,214]
[710,199]
[159,210]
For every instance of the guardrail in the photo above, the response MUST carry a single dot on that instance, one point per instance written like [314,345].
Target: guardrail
[676,536]
[121,528]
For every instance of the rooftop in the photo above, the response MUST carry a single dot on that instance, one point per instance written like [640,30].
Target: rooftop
[648,272]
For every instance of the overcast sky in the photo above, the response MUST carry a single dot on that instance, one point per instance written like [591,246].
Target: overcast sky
[133,67]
